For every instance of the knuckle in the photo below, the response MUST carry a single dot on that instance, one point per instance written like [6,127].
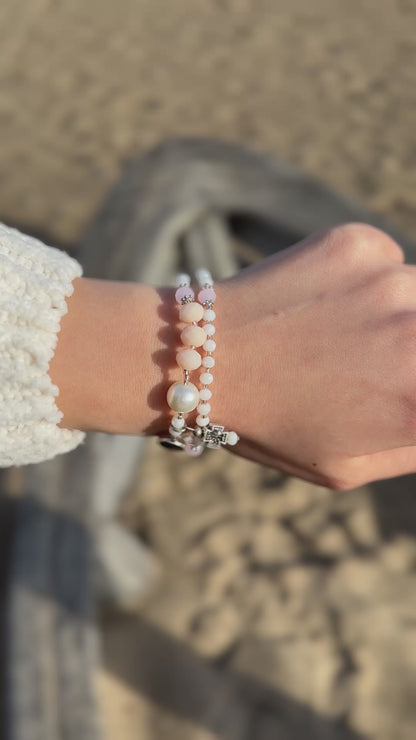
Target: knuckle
[392,287]
[356,243]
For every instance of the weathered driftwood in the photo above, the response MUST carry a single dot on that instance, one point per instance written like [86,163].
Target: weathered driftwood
[178,206]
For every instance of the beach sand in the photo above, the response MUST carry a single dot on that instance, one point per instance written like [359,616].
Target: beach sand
[283,611]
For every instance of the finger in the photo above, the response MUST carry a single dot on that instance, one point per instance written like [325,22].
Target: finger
[382,465]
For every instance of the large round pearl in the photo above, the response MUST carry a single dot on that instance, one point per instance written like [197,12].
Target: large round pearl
[191,312]
[193,335]
[183,397]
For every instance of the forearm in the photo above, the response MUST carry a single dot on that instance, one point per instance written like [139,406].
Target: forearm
[114,357]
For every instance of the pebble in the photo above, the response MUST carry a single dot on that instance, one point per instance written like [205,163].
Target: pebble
[272,544]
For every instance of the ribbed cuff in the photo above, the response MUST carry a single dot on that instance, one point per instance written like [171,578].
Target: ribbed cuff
[35,280]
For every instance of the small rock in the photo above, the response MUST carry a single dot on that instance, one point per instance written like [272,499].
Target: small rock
[310,522]
[356,578]
[333,542]
[399,556]
[301,579]
[272,544]
[215,630]
[363,527]
[225,538]
[222,577]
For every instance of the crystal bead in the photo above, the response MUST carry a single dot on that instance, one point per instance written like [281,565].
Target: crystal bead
[202,421]
[208,361]
[232,438]
[184,292]
[205,394]
[209,314]
[206,294]
[209,345]
[206,378]
[174,432]
[204,408]
[178,422]
[209,329]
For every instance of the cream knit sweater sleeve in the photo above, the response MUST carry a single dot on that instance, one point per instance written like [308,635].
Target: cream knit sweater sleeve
[34,281]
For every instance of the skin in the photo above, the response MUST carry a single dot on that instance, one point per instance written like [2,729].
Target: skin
[315,360]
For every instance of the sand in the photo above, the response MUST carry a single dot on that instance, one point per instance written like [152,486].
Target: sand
[283,610]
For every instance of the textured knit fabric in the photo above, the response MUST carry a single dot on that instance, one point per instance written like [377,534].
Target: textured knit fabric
[34,281]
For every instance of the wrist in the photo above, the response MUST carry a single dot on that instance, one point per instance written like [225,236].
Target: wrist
[113,357]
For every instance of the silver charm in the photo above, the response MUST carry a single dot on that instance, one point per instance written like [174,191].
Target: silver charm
[211,436]
[214,435]
[172,443]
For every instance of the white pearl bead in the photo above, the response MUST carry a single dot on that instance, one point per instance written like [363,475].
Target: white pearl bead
[206,378]
[174,432]
[209,329]
[178,422]
[203,275]
[183,397]
[209,345]
[202,421]
[204,408]
[232,438]
[209,315]
[205,394]
[208,361]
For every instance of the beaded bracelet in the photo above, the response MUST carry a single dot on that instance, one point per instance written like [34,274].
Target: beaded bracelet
[185,397]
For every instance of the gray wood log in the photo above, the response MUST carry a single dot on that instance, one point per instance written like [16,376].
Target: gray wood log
[178,206]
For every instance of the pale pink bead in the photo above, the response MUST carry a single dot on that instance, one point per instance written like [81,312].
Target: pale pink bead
[205,394]
[188,359]
[206,294]
[209,345]
[194,450]
[193,336]
[209,329]
[183,292]
[208,361]
[191,312]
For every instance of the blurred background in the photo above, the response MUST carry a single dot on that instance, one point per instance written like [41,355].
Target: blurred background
[283,611]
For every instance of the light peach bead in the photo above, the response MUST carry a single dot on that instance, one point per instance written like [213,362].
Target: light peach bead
[191,312]
[193,336]
[188,359]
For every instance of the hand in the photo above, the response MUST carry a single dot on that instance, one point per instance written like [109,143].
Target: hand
[316,359]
